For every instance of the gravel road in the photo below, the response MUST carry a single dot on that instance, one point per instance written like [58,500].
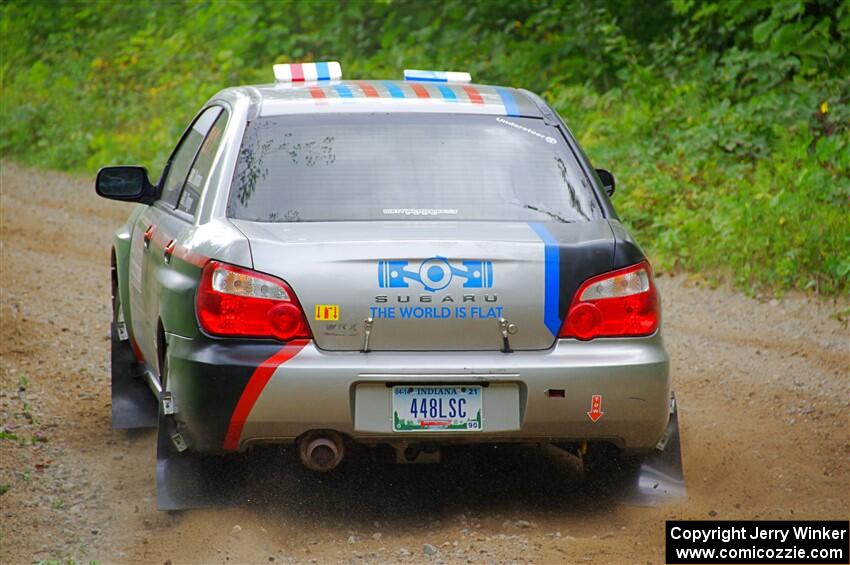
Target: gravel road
[763,392]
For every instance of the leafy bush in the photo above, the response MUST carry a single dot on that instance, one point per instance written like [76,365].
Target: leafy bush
[727,122]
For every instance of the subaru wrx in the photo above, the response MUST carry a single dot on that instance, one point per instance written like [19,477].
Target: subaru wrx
[412,263]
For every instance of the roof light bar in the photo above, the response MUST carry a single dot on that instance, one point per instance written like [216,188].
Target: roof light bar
[436,76]
[308,72]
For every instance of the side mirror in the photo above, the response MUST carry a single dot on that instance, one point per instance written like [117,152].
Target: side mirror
[128,184]
[608,182]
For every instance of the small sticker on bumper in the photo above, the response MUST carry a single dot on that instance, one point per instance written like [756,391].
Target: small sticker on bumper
[595,408]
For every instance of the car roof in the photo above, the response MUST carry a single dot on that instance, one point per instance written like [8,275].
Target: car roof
[382,96]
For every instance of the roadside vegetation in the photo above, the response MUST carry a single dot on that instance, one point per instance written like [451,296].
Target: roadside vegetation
[727,123]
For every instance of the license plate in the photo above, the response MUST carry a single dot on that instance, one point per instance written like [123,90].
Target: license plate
[437,408]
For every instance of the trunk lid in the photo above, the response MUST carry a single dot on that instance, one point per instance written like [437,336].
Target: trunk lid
[431,285]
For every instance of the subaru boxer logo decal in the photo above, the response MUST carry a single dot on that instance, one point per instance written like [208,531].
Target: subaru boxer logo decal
[435,274]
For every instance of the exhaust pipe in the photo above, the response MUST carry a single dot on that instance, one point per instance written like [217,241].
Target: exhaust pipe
[321,451]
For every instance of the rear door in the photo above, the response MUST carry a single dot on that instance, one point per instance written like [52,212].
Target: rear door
[161,225]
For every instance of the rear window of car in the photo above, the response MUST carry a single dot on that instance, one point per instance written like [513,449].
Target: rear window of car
[350,167]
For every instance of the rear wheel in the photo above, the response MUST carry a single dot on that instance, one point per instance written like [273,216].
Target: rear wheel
[162,358]
[163,377]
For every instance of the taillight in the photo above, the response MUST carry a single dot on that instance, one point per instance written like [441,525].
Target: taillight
[233,301]
[619,303]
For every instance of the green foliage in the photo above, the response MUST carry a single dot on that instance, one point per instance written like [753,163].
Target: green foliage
[726,122]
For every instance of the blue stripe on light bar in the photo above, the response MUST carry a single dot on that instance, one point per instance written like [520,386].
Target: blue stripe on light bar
[426,76]
[448,94]
[343,91]
[322,71]
[394,90]
[511,107]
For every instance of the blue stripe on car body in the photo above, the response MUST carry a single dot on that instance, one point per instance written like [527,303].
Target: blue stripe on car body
[511,107]
[394,90]
[343,91]
[552,278]
[447,93]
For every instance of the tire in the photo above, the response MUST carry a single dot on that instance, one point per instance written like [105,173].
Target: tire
[163,372]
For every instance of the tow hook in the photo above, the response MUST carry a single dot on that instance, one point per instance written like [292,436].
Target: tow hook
[367,334]
[506,328]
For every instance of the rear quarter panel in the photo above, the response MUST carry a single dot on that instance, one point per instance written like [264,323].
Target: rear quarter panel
[217,240]
[121,247]
[627,251]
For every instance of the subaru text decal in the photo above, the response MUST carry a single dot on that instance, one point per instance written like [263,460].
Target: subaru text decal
[435,274]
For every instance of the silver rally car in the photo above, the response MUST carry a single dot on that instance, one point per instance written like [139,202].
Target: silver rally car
[409,263]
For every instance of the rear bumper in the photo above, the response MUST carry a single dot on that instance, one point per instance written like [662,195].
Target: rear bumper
[211,381]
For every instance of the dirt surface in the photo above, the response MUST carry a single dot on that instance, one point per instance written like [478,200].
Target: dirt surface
[762,388]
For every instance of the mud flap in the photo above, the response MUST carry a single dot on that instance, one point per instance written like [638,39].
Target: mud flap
[660,478]
[133,404]
[187,480]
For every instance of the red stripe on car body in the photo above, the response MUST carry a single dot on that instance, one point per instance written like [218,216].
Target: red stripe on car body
[474,95]
[254,388]
[369,91]
[421,91]
[161,239]
[136,351]
[188,256]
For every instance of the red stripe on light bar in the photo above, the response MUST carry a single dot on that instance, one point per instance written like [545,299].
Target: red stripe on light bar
[254,388]
[297,72]
[420,91]
[369,91]
[317,92]
[474,95]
